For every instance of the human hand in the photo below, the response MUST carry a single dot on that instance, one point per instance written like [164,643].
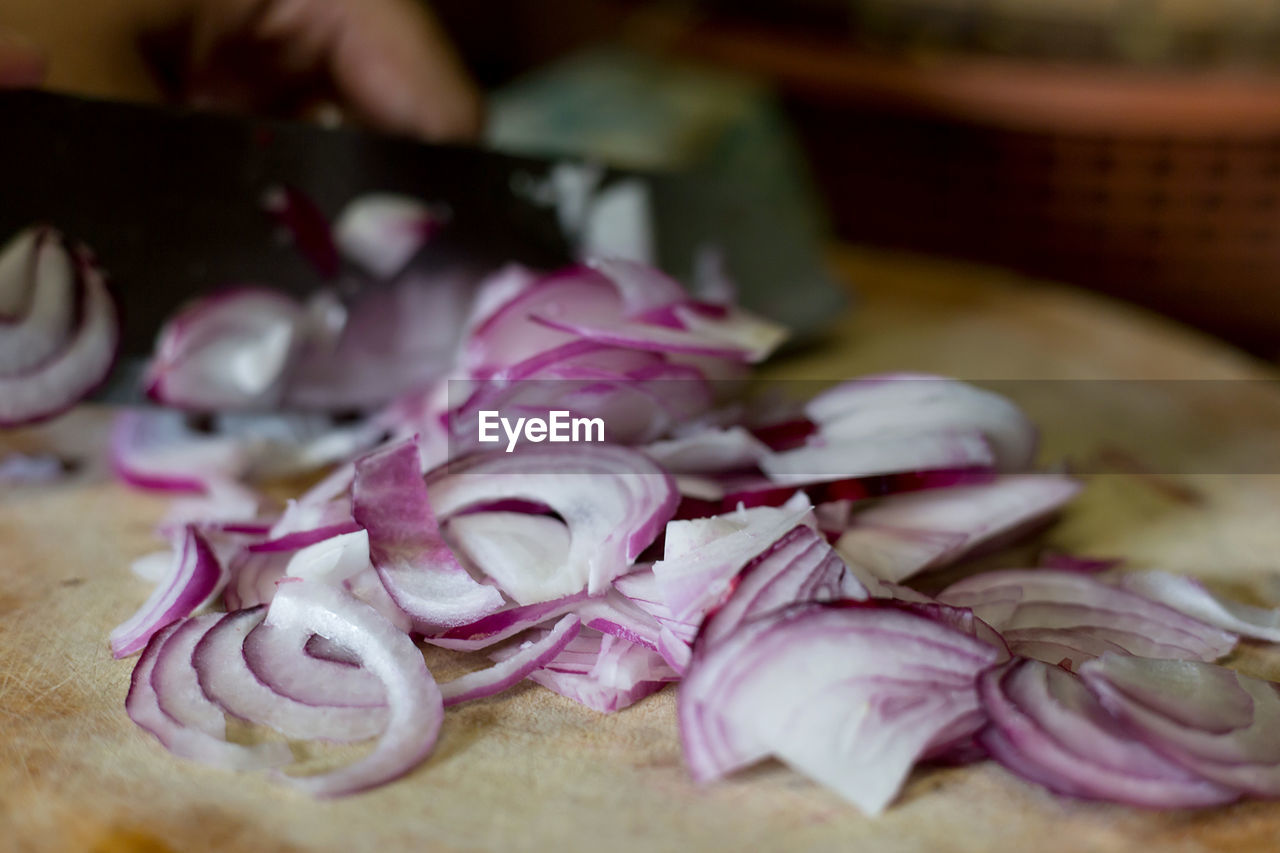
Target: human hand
[386,62]
[22,64]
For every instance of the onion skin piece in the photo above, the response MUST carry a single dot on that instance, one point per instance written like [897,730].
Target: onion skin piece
[390,500]
[143,707]
[1047,727]
[415,708]
[194,579]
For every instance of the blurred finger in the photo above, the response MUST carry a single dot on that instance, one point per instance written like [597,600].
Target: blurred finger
[398,69]
[22,62]
[387,62]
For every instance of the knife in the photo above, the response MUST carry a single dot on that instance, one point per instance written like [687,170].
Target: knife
[170,201]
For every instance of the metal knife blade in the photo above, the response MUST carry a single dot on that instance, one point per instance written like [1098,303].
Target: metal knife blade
[170,201]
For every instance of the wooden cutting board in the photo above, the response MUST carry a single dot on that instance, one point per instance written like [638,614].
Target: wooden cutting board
[531,770]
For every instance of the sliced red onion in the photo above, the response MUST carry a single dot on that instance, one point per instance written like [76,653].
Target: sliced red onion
[74,363]
[189,726]
[390,500]
[391,339]
[523,553]
[302,538]
[851,696]
[741,336]
[152,567]
[581,303]
[1047,727]
[585,690]
[1217,723]
[1188,595]
[703,557]
[254,575]
[1098,615]
[332,560]
[913,404]
[368,587]
[823,458]
[282,661]
[194,579]
[38,296]
[414,706]
[602,672]
[493,293]
[616,615]
[709,451]
[226,679]
[383,231]
[530,655]
[799,566]
[305,224]
[638,396]
[157,450]
[615,501]
[503,624]
[623,664]
[643,288]
[227,351]
[906,534]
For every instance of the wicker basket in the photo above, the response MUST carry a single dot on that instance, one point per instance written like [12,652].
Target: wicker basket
[1161,185]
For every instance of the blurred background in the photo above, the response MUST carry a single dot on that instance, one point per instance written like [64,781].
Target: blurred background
[1131,146]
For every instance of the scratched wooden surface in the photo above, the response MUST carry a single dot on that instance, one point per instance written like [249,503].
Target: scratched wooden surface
[533,771]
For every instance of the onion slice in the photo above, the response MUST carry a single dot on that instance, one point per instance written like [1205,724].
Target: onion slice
[907,534]
[383,231]
[165,699]
[80,362]
[505,674]
[1188,595]
[228,351]
[614,500]
[194,579]
[1215,722]
[414,705]
[390,500]
[226,679]
[1047,727]
[703,557]
[1098,616]
[848,694]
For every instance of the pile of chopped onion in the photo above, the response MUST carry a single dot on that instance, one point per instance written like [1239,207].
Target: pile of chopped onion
[763,563]
[58,326]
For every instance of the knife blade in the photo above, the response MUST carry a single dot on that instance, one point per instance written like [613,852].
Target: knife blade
[170,201]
